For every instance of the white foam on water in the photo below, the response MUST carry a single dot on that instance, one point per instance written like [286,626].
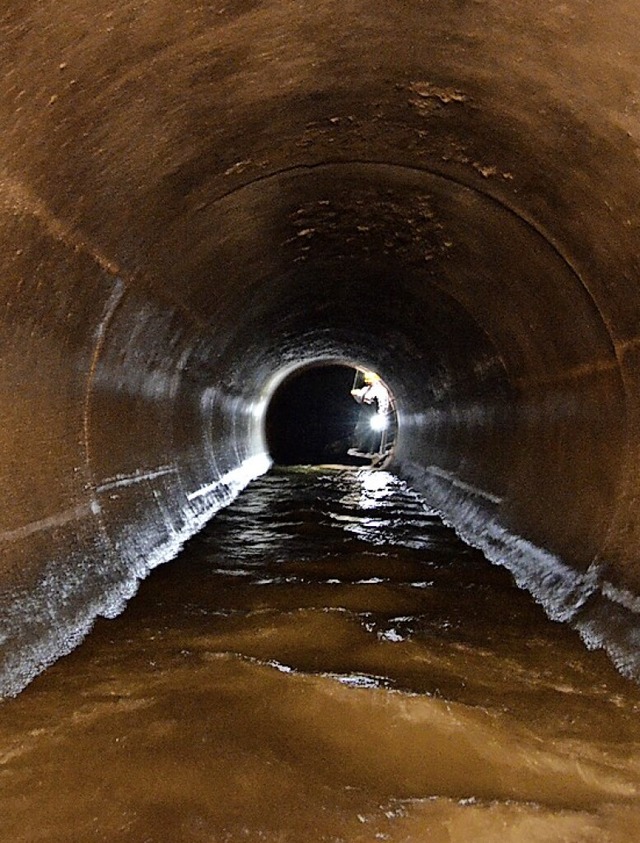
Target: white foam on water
[565,593]
[43,611]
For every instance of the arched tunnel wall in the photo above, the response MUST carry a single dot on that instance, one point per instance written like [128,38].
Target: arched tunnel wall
[197,197]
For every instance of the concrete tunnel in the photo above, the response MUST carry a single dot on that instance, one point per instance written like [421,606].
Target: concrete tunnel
[198,198]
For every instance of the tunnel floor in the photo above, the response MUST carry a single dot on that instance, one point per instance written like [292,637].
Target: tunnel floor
[325,662]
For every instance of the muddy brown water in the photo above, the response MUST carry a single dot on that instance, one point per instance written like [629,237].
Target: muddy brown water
[325,662]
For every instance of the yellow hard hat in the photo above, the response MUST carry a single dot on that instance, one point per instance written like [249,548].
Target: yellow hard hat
[371,377]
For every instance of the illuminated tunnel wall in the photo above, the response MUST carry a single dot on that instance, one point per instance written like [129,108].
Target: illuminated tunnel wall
[196,198]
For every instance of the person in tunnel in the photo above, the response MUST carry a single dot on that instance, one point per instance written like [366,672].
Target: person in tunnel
[371,427]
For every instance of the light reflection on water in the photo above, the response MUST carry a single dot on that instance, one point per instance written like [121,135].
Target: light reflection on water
[326,662]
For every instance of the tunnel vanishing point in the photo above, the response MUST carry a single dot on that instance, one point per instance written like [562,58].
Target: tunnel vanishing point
[199,197]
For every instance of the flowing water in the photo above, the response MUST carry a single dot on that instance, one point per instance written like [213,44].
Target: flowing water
[325,662]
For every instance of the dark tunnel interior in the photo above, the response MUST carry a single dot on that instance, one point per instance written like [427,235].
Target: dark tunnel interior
[313,419]
[200,200]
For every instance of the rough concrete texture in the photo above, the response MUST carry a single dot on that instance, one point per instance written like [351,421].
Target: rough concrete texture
[196,197]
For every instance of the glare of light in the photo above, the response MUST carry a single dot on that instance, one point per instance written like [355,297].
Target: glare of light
[378,422]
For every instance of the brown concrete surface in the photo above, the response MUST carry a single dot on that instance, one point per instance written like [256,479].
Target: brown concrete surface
[196,196]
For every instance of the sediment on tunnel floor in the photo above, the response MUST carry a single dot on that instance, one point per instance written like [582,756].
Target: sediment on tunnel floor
[197,199]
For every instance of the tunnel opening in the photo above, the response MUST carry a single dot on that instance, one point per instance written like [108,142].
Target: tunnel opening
[331,413]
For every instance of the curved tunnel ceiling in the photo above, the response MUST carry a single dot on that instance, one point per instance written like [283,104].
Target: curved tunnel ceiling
[198,197]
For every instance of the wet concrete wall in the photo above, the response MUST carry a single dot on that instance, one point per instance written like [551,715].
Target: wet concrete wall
[196,197]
